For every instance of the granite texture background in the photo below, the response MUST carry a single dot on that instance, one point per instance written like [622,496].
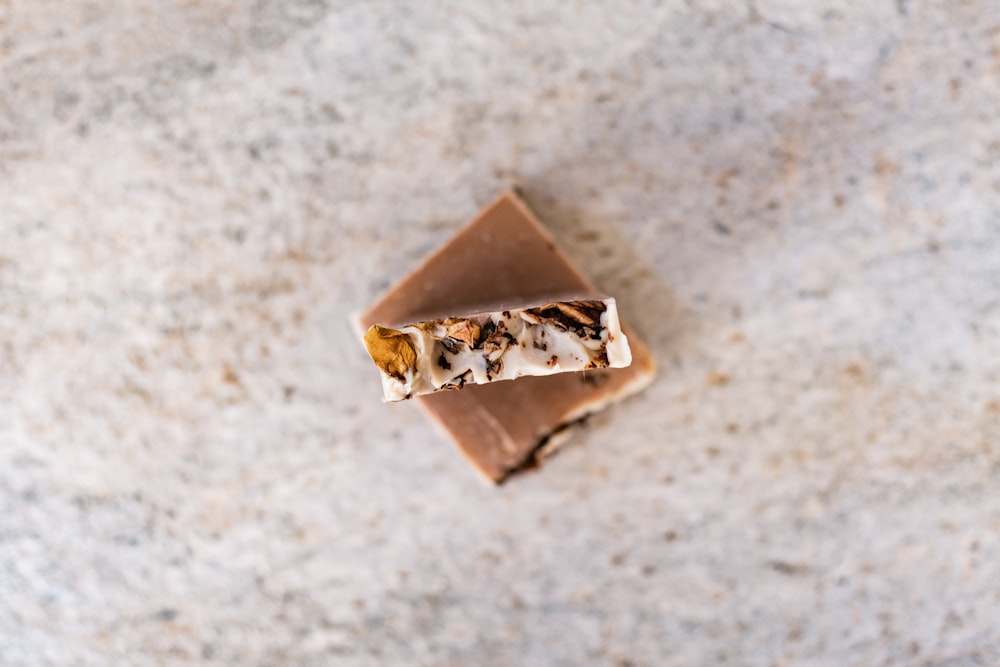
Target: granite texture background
[797,204]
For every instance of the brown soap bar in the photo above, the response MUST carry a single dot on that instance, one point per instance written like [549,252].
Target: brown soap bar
[504,255]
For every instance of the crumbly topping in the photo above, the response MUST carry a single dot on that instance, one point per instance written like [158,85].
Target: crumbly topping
[490,346]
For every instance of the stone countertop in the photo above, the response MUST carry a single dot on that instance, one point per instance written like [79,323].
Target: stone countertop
[797,205]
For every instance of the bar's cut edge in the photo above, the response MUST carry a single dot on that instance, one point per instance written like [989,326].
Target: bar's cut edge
[618,349]
[551,442]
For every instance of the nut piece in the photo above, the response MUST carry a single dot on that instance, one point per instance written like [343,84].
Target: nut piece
[574,311]
[530,317]
[391,350]
[465,330]
[573,315]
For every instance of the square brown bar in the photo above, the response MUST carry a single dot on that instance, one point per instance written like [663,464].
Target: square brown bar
[505,255]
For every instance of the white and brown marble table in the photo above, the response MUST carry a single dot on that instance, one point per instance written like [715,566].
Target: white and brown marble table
[797,205]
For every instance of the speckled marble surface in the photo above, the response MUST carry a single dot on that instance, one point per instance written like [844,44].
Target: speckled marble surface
[797,204]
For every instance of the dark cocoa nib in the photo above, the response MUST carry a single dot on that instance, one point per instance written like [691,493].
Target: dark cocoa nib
[450,344]
[458,382]
[499,339]
[485,332]
[557,323]
[495,366]
[443,363]
[494,343]
[571,315]
[600,361]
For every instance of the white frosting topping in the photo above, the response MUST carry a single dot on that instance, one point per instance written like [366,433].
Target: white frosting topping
[512,343]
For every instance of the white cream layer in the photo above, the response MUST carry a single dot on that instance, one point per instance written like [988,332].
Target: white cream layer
[536,349]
